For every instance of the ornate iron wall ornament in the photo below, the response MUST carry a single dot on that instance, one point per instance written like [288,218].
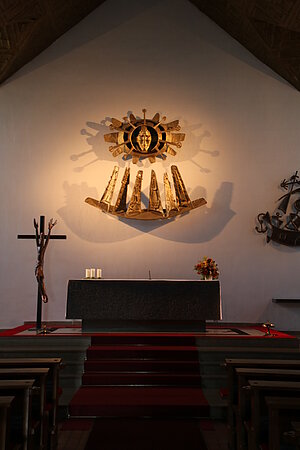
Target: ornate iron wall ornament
[284,225]
[174,206]
[144,138]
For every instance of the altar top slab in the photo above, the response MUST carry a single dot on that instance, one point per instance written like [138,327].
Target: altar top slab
[143,279]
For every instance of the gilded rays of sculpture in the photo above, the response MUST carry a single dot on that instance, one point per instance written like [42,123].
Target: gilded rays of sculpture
[173,206]
[140,139]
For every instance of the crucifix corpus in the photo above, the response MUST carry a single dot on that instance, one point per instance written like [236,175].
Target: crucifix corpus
[42,241]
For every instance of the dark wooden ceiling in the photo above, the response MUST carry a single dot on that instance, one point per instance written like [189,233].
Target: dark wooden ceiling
[270,29]
[27,27]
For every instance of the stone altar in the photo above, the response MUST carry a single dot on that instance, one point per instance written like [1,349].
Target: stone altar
[143,305]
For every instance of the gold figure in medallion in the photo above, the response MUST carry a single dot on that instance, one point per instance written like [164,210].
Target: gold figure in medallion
[144,138]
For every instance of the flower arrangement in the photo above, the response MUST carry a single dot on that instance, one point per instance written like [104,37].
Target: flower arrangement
[207,268]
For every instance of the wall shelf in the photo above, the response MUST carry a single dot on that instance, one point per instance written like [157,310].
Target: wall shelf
[286,300]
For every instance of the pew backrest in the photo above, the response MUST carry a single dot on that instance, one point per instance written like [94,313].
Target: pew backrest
[5,405]
[54,365]
[21,389]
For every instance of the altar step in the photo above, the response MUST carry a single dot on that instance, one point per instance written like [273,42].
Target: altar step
[135,364]
[212,350]
[163,352]
[140,378]
[143,339]
[139,401]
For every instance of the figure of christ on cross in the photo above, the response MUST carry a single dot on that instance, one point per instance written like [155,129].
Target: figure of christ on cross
[42,242]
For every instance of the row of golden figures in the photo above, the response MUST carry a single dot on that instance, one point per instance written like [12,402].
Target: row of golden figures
[175,205]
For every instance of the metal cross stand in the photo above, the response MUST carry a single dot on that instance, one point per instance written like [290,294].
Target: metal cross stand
[42,241]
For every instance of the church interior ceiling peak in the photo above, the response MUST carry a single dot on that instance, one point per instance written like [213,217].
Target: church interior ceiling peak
[269,29]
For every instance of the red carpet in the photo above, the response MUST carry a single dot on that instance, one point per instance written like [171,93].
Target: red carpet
[138,401]
[77,425]
[143,339]
[141,376]
[146,352]
[145,434]
[141,365]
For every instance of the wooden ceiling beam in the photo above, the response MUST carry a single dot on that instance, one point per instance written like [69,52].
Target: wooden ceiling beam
[27,27]
[269,30]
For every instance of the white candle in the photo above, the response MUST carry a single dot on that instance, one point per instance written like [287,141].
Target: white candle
[99,273]
[93,273]
[87,273]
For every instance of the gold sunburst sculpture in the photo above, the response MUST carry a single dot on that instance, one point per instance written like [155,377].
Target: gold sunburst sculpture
[139,139]
[144,138]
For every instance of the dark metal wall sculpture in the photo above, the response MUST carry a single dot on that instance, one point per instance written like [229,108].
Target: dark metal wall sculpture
[283,226]
[139,139]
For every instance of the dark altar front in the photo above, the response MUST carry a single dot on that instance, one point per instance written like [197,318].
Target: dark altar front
[143,305]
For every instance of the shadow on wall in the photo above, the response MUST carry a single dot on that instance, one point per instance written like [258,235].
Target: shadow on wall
[95,139]
[194,144]
[95,131]
[90,224]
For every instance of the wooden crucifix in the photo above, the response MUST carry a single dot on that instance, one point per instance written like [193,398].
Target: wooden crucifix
[42,241]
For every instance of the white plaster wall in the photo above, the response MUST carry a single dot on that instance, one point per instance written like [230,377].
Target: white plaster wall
[242,138]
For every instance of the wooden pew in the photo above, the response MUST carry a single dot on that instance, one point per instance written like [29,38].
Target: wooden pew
[277,405]
[54,365]
[39,374]
[242,405]
[259,390]
[296,429]
[22,390]
[5,406]
[231,364]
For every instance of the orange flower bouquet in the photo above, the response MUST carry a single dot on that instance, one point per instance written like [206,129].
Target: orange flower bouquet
[207,268]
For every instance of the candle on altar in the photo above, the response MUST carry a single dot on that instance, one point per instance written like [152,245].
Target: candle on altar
[87,273]
[99,273]
[93,272]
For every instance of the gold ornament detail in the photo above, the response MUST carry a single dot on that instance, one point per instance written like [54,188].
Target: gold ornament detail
[144,138]
[173,207]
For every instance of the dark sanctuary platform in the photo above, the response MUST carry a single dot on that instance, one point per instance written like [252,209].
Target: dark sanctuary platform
[140,358]
[143,305]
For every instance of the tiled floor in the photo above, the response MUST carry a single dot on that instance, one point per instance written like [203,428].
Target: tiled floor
[72,440]
[217,438]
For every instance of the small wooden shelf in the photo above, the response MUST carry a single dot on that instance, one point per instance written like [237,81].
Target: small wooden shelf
[286,300]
